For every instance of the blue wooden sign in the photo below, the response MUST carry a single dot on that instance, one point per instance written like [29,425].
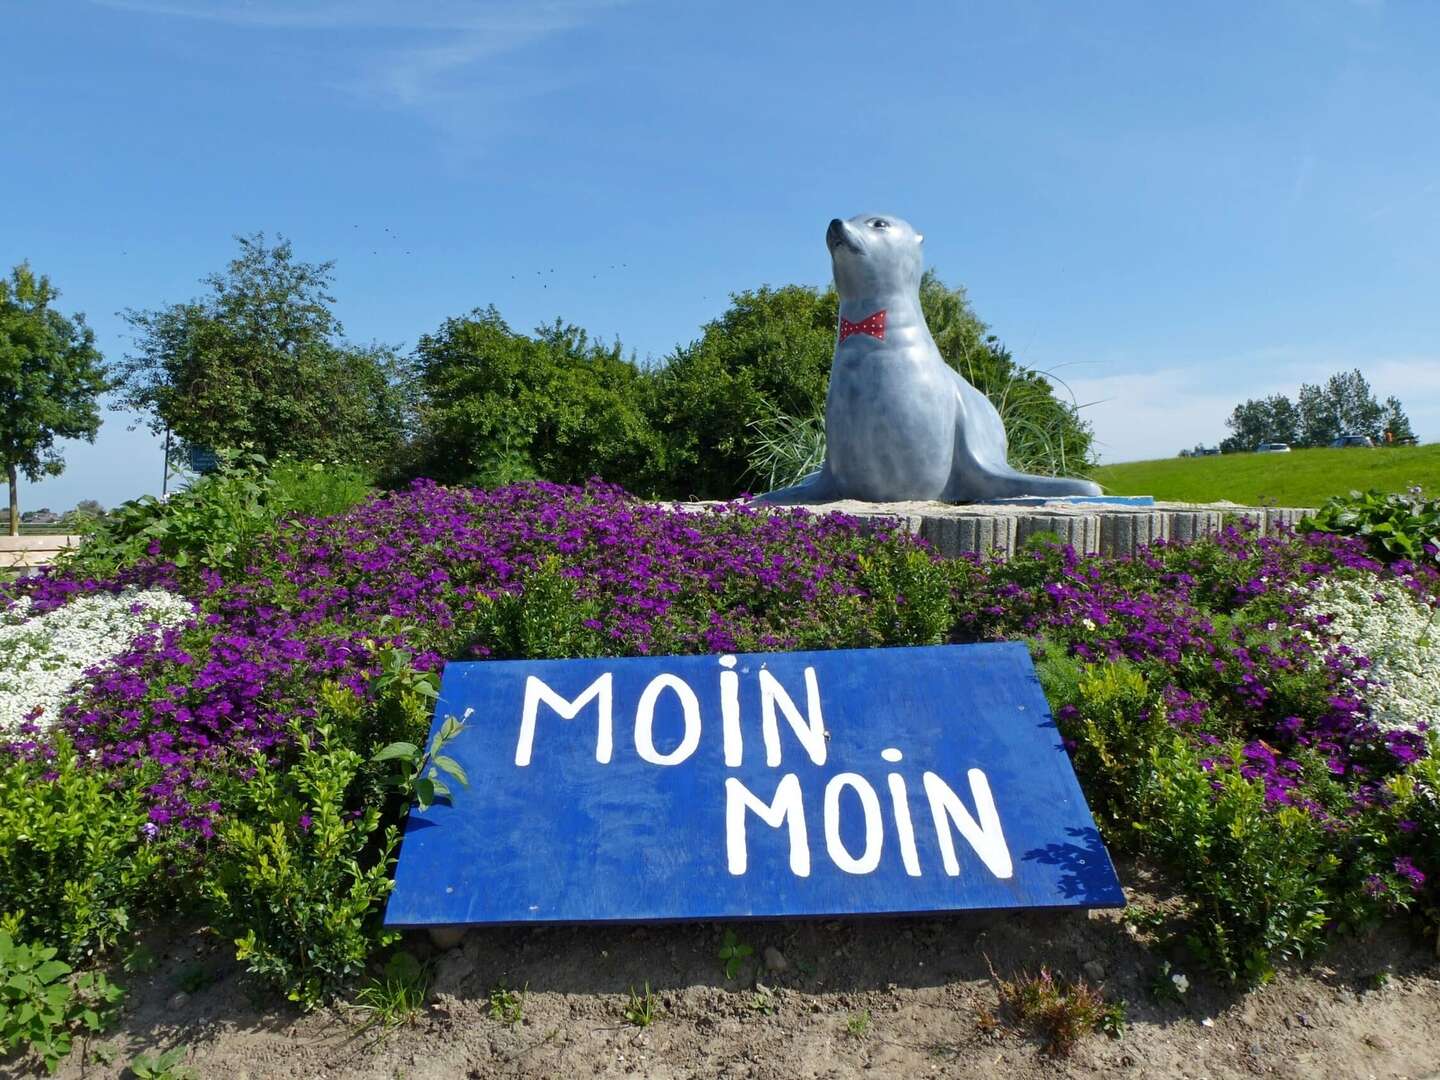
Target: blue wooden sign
[857,781]
[202,460]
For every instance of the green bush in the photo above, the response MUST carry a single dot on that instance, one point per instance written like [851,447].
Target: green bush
[75,863]
[909,596]
[1112,718]
[545,622]
[767,355]
[214,522]
[41,1007]
[300,875]
[315,489]
[499,406]
[1262,880]
[1392,526]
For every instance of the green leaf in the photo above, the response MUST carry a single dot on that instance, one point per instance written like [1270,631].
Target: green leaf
[451,766]
[397,750]
[51,970]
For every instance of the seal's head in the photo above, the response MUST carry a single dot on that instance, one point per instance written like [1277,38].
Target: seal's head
[874,255]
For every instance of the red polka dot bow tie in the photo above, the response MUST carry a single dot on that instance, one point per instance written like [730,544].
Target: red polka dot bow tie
[874,325]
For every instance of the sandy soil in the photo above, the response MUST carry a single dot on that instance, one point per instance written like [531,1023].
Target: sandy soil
[856,998]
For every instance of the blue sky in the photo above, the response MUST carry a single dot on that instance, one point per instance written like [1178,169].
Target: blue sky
[1174,207]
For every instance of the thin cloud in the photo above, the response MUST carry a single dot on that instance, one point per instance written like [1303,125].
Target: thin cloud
[422,55]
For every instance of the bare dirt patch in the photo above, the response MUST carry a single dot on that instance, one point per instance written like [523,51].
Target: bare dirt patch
[891,997]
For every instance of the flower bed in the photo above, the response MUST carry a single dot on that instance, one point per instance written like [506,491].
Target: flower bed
[45,652]
[1237,716]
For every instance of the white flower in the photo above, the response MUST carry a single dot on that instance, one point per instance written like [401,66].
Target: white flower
[1089,624]
[1383,620]
[1182,984]
[43,658]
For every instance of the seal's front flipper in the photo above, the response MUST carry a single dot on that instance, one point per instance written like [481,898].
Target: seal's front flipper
[818,487]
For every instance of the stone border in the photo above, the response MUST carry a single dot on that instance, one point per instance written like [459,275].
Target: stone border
[1087,527]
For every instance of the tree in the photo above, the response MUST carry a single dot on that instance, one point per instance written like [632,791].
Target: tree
[1271,419]
[1354,405]
[261,361]
[1345,405]
[497,406]
[1319,422]
[1395,424]
[51,379]
[770,354]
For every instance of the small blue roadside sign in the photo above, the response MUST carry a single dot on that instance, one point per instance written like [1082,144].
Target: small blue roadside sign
[855,781]
[202,460]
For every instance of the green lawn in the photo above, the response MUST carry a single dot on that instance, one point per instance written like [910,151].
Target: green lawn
[1299,478]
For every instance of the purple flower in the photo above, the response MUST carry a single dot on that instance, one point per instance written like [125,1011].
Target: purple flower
[1406,868]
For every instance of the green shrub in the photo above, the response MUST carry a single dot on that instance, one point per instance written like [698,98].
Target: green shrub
[545,622]
[1408,820]
[1113,719]
[497,406]
[315,489]
[214,522]
[299,877]
[41,1007]
[909,596]
[1260,877]
[75,863]
[397,708]
[1392,526]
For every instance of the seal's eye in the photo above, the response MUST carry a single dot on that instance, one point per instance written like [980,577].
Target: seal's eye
[878,223]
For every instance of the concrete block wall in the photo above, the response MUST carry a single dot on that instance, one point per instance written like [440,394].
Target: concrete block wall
[1109,530]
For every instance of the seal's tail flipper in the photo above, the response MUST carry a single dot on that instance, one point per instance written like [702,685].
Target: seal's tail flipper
[818,487]
[1002,482]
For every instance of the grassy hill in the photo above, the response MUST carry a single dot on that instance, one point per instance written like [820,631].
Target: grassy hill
[1299,478]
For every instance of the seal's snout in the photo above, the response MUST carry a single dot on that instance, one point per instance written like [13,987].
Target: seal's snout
[835,234]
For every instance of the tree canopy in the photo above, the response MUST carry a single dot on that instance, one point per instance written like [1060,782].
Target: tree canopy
[261,361]
[1344,405]
[497,406]
[770,354]
[51,379]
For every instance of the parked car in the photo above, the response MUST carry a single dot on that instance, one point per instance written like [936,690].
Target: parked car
[1273,448]
[1353,440]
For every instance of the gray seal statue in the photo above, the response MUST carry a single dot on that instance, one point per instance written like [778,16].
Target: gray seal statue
[900,423]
